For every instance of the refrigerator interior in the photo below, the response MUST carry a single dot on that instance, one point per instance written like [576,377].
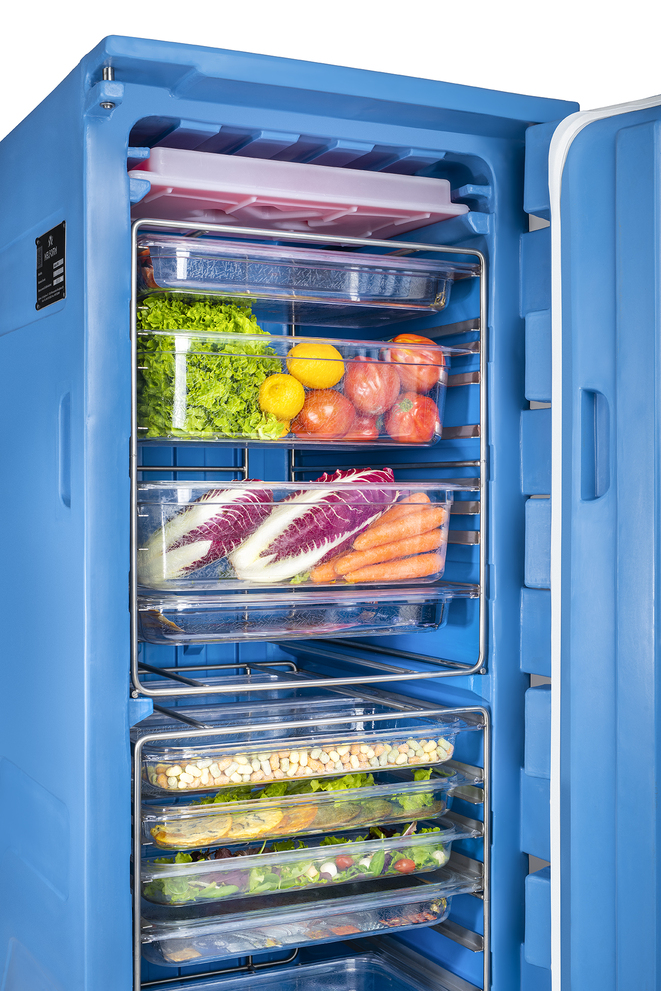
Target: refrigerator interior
[66,757]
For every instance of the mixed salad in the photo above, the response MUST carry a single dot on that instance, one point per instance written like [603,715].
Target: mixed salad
[249,813]
[349,859]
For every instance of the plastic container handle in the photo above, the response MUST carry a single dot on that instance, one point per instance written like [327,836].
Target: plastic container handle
[595,445]
[64,450]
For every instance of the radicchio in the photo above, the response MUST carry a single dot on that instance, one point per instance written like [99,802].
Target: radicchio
[299,533]
[204,532]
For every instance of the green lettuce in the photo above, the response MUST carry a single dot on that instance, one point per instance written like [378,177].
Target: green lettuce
[222,377]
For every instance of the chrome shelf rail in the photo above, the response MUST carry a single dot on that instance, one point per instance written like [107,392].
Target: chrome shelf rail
[483,722]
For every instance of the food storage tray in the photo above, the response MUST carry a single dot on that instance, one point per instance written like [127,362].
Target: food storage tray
[200,380]
[319,737]
[304,286]
[363,972]
[294,615]
[394,797]
[352,528]
[297,918]
[252,870]
[288,196]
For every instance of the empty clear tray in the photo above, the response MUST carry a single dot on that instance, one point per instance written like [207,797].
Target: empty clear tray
[301,285]
[292,615]
[355,527]
[231,817]
[366,972]
[297,918]
[333,734]
[199,379]
[251,869]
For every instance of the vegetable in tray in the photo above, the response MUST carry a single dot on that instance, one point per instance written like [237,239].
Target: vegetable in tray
[277,866]
[356,526]
[288,808]
[205,374]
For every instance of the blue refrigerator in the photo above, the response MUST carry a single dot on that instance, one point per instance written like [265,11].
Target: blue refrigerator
[552,414]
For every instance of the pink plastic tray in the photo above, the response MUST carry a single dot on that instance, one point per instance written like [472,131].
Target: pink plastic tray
[251,192]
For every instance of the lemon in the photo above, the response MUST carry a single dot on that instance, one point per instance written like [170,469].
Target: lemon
[282,395]
[318,366]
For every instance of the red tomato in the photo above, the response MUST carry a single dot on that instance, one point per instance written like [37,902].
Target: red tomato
[343,862]
[419,368]
[372,386]
[413,419]
[364,428]
[326,414]
[405,866]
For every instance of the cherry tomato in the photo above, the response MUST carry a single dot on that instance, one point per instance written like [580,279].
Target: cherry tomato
[405,866]
[419,368]
[343,862]
[413,419]
[326,414]
[372,386]
[364,428]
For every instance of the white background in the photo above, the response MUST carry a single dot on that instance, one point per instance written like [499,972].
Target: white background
[598,53]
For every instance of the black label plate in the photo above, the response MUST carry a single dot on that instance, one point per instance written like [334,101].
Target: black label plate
[51,264]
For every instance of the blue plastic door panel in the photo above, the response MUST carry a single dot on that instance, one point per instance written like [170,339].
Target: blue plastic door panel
[605,184]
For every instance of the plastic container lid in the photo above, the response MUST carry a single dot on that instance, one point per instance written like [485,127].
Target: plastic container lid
[226,189]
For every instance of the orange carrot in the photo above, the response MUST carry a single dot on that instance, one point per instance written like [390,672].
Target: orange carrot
[325,572]
[401,508]
[422,542]
[425,518]
[419,566]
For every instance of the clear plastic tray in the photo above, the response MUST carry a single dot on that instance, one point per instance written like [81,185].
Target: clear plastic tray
[298,918]
[251,870]
[395,797]
[337,735]
[352,528]
[364,972]
[253,192]
[294,615]
[301,285]
[208,384]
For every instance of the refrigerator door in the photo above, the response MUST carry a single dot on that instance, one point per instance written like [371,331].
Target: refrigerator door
[605,223]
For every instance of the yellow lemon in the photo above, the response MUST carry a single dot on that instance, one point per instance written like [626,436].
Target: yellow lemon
[318,366]
[282,395]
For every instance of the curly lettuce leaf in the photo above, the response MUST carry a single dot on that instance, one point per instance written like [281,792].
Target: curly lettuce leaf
[222,378]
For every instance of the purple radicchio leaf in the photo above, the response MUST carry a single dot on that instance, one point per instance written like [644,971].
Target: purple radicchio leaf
[300,532]
[205,531]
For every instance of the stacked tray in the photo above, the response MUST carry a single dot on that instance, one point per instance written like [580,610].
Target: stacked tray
[348,533]
[258,869]
[301,285]
[203,933]
[323,734]
[395,798]
[382,971]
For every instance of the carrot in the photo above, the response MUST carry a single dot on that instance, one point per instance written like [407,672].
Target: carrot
[426,518]
[325,572]
[418,566]
[422,542]
[401,508]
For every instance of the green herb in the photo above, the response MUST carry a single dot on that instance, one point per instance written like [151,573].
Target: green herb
[219,380]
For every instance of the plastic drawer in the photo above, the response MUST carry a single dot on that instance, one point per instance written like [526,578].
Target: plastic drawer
[250,870]
[352,528]
[394,797]
[301,285]
[214,384]
[296,919]
[331,736]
